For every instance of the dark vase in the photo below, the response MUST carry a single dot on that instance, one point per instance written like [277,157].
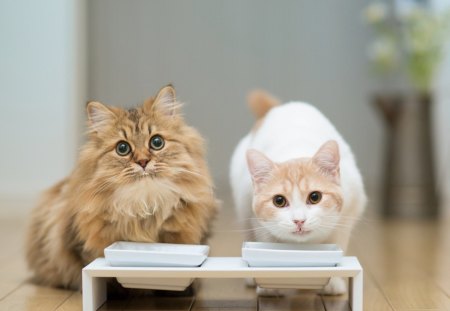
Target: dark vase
[409,189]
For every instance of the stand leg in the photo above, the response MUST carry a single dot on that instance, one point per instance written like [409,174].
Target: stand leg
[356,292]
[94,292]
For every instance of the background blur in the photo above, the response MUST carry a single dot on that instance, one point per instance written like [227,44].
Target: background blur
[55,55]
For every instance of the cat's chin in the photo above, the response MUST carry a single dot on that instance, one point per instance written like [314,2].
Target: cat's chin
[303,234]
[302,237]
[299,237]
[144,175]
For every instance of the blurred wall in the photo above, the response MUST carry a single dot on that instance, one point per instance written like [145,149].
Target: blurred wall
[442,121]
[442,130]
[213,51]
[216,51]
[42,84]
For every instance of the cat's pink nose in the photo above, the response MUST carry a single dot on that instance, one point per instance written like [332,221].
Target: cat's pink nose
[299,223]
[142,163]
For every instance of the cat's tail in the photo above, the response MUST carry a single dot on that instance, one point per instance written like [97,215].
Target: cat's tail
[260,102]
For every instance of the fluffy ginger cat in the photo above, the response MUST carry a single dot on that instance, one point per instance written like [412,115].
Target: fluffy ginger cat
[141,176]
[294,178]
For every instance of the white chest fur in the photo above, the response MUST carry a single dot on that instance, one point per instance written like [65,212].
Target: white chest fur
[145,198]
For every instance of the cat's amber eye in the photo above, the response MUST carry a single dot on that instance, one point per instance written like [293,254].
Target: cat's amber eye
[279,201]
[157,142]
[314,197]
[123,148]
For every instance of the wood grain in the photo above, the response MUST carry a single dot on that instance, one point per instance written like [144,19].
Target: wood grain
[406,267]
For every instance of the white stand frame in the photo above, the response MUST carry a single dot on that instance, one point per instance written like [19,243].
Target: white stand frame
[96,273]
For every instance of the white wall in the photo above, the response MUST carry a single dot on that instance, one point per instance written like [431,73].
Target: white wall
[442,130]
[442,121]
[42,61]
[216,51]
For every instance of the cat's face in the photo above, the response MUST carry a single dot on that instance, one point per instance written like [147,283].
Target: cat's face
[299,200]
[150,142]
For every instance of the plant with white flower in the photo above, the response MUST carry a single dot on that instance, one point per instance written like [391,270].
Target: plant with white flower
[424,35]
[375,13]
[383,54]
[412,40]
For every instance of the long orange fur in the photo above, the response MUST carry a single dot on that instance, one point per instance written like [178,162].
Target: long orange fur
[102,201]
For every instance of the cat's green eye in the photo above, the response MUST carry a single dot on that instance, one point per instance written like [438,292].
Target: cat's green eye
[279,201]
[157,142]
[123,148]
[314,197]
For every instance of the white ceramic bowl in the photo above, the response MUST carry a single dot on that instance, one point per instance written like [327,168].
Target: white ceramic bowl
[261,254]
[156,283]
[134,254]
[303,283]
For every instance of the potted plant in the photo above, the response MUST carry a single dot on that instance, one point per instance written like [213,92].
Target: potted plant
[406,53]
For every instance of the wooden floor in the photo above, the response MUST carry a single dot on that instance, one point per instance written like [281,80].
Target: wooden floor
[406,267]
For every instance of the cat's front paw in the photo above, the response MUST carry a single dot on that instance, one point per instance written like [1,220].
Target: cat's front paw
[336,286]
[250,282]
[268,292]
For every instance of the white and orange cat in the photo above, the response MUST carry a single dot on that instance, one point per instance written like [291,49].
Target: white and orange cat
[141,176]
[294,178]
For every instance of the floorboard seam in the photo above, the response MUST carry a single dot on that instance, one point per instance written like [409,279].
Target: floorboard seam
[368,273]
[62,302]
[323,303]
[13,290]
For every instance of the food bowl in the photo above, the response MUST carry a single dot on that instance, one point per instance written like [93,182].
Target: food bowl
[292,283]
[261,254]
[175,284]
[135,254]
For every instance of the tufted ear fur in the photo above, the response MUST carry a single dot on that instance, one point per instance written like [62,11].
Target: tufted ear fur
[165,102]
[99,116]
[260,167]
[327,158]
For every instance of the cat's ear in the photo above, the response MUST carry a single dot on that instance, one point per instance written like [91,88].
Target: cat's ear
[99,115]
[260,166]
[165,102]
[327,159]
